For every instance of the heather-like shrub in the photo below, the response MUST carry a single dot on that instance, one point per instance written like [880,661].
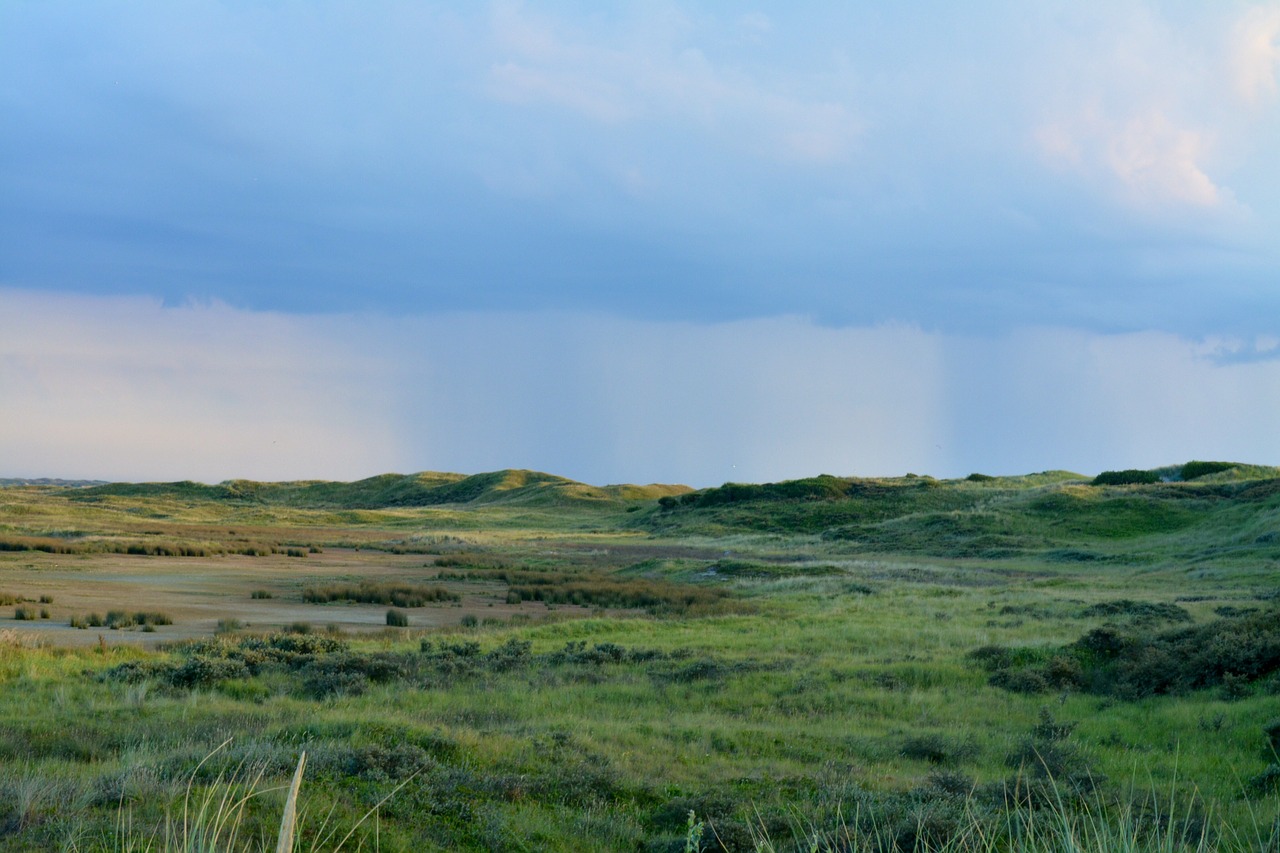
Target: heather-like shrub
[1127,477]
[1193,469]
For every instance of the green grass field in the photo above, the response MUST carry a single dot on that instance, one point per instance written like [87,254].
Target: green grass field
[996,663]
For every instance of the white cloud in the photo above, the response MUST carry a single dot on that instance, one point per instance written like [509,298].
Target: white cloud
[1158,161]
[1139,103]
[1143,159]
[1255,53]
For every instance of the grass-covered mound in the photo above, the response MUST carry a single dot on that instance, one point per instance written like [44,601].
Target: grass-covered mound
[1219,507]
[393,490]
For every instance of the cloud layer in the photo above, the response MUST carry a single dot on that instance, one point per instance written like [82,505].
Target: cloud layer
[119,388]
[968,168]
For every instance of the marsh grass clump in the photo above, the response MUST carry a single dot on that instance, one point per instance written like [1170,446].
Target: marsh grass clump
[25,614]
[261,594]
[397,618]
[92,620]
[119,619]
[370,592]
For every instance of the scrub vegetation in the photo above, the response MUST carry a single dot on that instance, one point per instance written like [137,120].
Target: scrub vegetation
[1045,662]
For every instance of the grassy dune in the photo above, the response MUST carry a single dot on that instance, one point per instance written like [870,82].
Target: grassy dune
[828,664]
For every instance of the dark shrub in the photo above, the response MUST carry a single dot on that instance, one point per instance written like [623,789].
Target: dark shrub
[948,783]
[320,683]
[1127,477]
[1272,731]
[1020,680]
[397,618]
[1266,782]
[703,669]
[1138,610]
[991,657]
[1063,671]
[1194,469]
[1047,754]
[1104,642]
[1232,653]
[202,671]
[935,749]
[510,655]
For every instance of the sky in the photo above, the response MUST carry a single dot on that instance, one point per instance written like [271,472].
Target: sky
[636,242]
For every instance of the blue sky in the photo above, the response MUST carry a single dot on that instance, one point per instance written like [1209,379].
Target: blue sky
[848,223]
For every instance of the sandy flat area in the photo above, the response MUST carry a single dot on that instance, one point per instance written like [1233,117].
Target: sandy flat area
[199,592]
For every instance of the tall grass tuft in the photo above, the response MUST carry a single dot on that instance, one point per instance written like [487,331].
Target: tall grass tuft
[216,818]
[1063,822]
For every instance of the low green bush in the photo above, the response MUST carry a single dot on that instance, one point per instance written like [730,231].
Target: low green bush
[1142,611]
[1127,477]
[1193,470]
[1272,732]
[936,748]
